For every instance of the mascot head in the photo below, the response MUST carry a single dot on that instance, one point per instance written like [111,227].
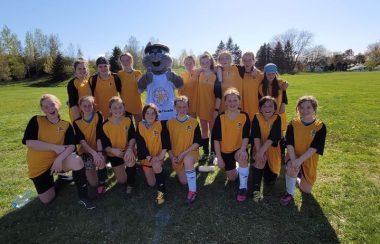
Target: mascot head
[156,58]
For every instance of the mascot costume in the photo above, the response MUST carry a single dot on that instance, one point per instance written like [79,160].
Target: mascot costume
[159,81]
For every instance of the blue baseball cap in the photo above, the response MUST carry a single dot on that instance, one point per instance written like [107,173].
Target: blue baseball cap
[270,68]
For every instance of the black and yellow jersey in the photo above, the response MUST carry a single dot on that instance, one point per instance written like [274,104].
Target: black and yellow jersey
[129,91]
[90,131]
[118,135]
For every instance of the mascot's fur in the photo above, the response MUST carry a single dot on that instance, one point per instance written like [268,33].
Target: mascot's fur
[159,81]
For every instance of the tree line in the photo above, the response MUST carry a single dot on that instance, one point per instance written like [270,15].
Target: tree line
[42,54]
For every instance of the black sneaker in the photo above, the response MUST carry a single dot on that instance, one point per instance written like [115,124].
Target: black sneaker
[87,203]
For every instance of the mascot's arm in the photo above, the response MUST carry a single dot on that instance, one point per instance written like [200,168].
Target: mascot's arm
[175,79]
[144,81]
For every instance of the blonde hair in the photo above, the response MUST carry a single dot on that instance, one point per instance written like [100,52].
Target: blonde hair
[51,97]
[84,62]
[231,91]
[114,99]
[129,55]
[248,54]
[225,53]
[208,56]
[181,99]
[311,99]
[90,99]
[190,57]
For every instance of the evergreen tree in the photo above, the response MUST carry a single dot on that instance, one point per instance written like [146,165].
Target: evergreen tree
[288,59]
[236,54]
[58,69]
[5,73]
[219,49]
[114,60]
[261,57]
[268,54]
[279,57]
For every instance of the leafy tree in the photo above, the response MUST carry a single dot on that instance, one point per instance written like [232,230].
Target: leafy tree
[315,56]
[58,69]
[298,40]
[137,51]
[360,58]
[114,59]
[5,73]
[373,55]
[16,66]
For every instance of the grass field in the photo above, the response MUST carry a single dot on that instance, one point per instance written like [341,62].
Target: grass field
[344,206]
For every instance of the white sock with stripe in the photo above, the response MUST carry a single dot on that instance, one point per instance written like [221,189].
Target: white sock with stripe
[290,184]
[191,180]
[243,177]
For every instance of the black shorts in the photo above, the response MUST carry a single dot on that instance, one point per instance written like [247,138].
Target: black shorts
[43,182]
[115,161]
[229,160]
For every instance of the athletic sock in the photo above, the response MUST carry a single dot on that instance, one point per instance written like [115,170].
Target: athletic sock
[243,177]
[191,180]
[160,181]
[102,176]
[257,176]
[290,184]
[81,183]
[205,145]
[131,175]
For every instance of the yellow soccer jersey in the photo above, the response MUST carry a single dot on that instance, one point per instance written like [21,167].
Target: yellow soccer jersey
[269,130]
[75,90]
[117,135]
[88,131]
[231,78]
[104,90]
[41,129]
[190,89]
[151,140]
[302,137]
[231,132]
[183,134]
[250,93]
[281,98]
[209,88]
[129,91]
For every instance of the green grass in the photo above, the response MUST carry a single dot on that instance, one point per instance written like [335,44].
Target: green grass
[344,206]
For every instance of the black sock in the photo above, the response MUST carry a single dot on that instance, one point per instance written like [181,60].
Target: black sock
[102,176]
[205,142]
[160,181]
[131,175]
[81,182]
[257,176]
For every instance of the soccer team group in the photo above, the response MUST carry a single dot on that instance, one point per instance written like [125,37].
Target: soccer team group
[242,123]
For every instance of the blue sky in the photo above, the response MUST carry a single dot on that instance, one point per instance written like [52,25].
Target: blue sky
[198,25]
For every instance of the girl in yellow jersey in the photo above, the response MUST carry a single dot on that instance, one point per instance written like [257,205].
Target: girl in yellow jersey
[209,97]
[266,133]
[118,140]
[229,76]
[276,88]
[305,140]
[190,84]
[104,85]
[78,87]
[152,143]
[252,78]
[185,138]
[88,130]
[231,136]
[129,91]
[51,146]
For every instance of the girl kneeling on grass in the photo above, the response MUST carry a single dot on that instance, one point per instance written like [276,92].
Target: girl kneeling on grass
[118,140]
[185,138]
[88,130]
[152,143]
[266,133]
[51,146]
[305,140]
[231,136]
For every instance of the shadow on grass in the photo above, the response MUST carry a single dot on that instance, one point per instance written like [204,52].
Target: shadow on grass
[215,217]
